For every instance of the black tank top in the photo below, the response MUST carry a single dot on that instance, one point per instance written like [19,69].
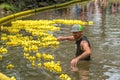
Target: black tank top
[80,50]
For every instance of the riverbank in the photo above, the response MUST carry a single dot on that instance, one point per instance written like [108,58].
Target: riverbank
[4,12]
[10,7]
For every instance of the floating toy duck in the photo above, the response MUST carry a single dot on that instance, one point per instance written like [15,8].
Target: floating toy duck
[10,66]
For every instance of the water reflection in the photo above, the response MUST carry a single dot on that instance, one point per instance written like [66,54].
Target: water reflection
[81,71]
[106,42]
[108,7]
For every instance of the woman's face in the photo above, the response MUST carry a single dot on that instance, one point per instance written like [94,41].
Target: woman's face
[77,35]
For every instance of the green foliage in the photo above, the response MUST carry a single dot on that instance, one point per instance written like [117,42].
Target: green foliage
[8,7]
[5,6]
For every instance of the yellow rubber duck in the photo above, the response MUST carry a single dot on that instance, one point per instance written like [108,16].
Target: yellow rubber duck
[4,77]
[10,66]
[39,65]
[12,78]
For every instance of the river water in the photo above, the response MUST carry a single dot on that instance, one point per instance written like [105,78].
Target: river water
[104,36]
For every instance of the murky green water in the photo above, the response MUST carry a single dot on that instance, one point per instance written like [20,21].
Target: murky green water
[104,36]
